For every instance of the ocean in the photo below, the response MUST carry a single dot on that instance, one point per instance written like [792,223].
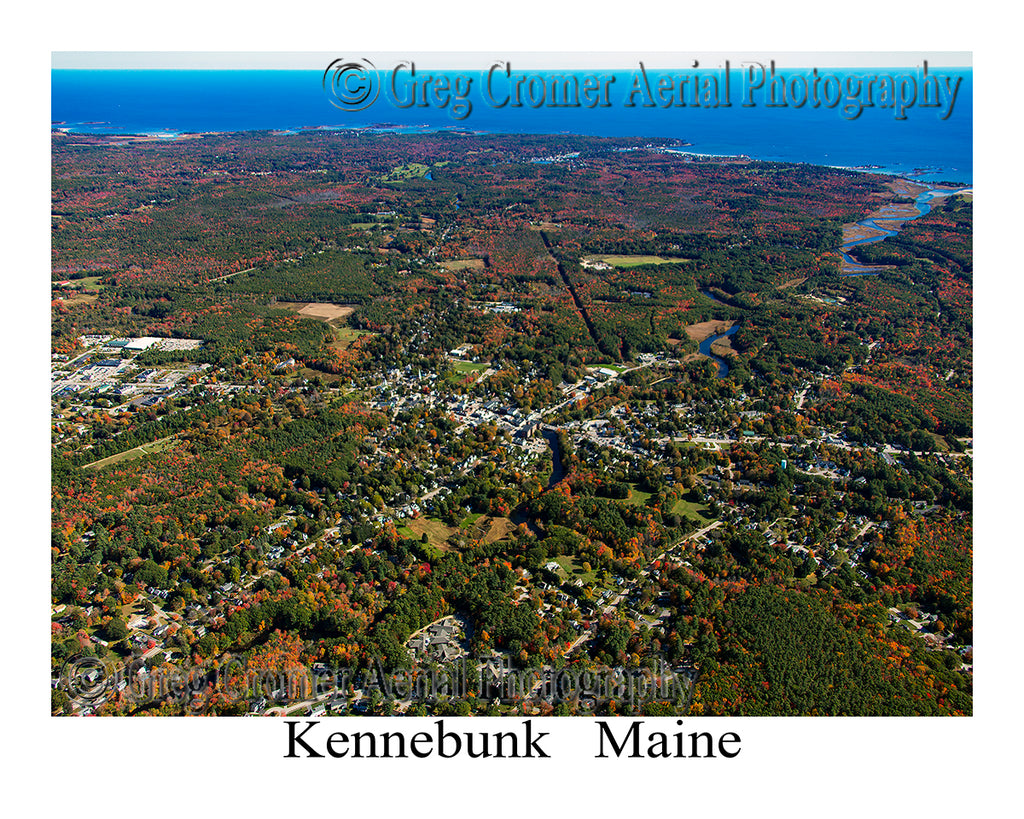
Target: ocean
[922,145]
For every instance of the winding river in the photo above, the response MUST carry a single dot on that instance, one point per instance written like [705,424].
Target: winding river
[890,212]
[850,267]
[705,349]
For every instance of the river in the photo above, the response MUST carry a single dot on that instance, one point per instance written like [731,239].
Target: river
[557,473]
[923,205]
[705,349]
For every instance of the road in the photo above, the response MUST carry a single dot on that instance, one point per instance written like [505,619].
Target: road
[613,605]
[888,450]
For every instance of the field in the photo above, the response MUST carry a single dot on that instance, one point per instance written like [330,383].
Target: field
[87,283]
[330,379]
[692,509]
[437,533]
[473,526]
[130,455]
[627,262]
[333,315]
[637,497]
[573,569]
[80,298]
[722,347]
[463,264]
[469,367]
[470,520]
[500,528]
[705,329]
[91,283]
[321,310]
[413,170]
[344,336]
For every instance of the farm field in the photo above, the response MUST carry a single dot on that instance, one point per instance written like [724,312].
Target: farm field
[326,311]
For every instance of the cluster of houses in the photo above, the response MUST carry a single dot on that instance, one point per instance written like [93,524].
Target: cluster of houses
[440,642]
[501,307]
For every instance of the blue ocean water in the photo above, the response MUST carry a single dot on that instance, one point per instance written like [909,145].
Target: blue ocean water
[922,145]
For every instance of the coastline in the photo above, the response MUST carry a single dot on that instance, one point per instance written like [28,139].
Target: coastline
[687,150]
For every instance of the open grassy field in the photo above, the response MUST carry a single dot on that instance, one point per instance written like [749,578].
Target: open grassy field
[499,529]
[413,170]
[693,509]
[437,533]
[463,369]
[574,569]
[470,520]
[151,448]
[344,336]
[626,262]
[333,315]
[87,283]
[326,378]
[474,526]
[722,347]
[463,264]
[637,497]
[469,367]
[91,283]
[80,298]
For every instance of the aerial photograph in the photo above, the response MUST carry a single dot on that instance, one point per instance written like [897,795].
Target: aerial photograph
[511,385]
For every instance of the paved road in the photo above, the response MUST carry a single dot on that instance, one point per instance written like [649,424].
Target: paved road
[888,450]
[613,605]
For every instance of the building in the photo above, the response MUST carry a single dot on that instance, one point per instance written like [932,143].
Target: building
[143,343]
